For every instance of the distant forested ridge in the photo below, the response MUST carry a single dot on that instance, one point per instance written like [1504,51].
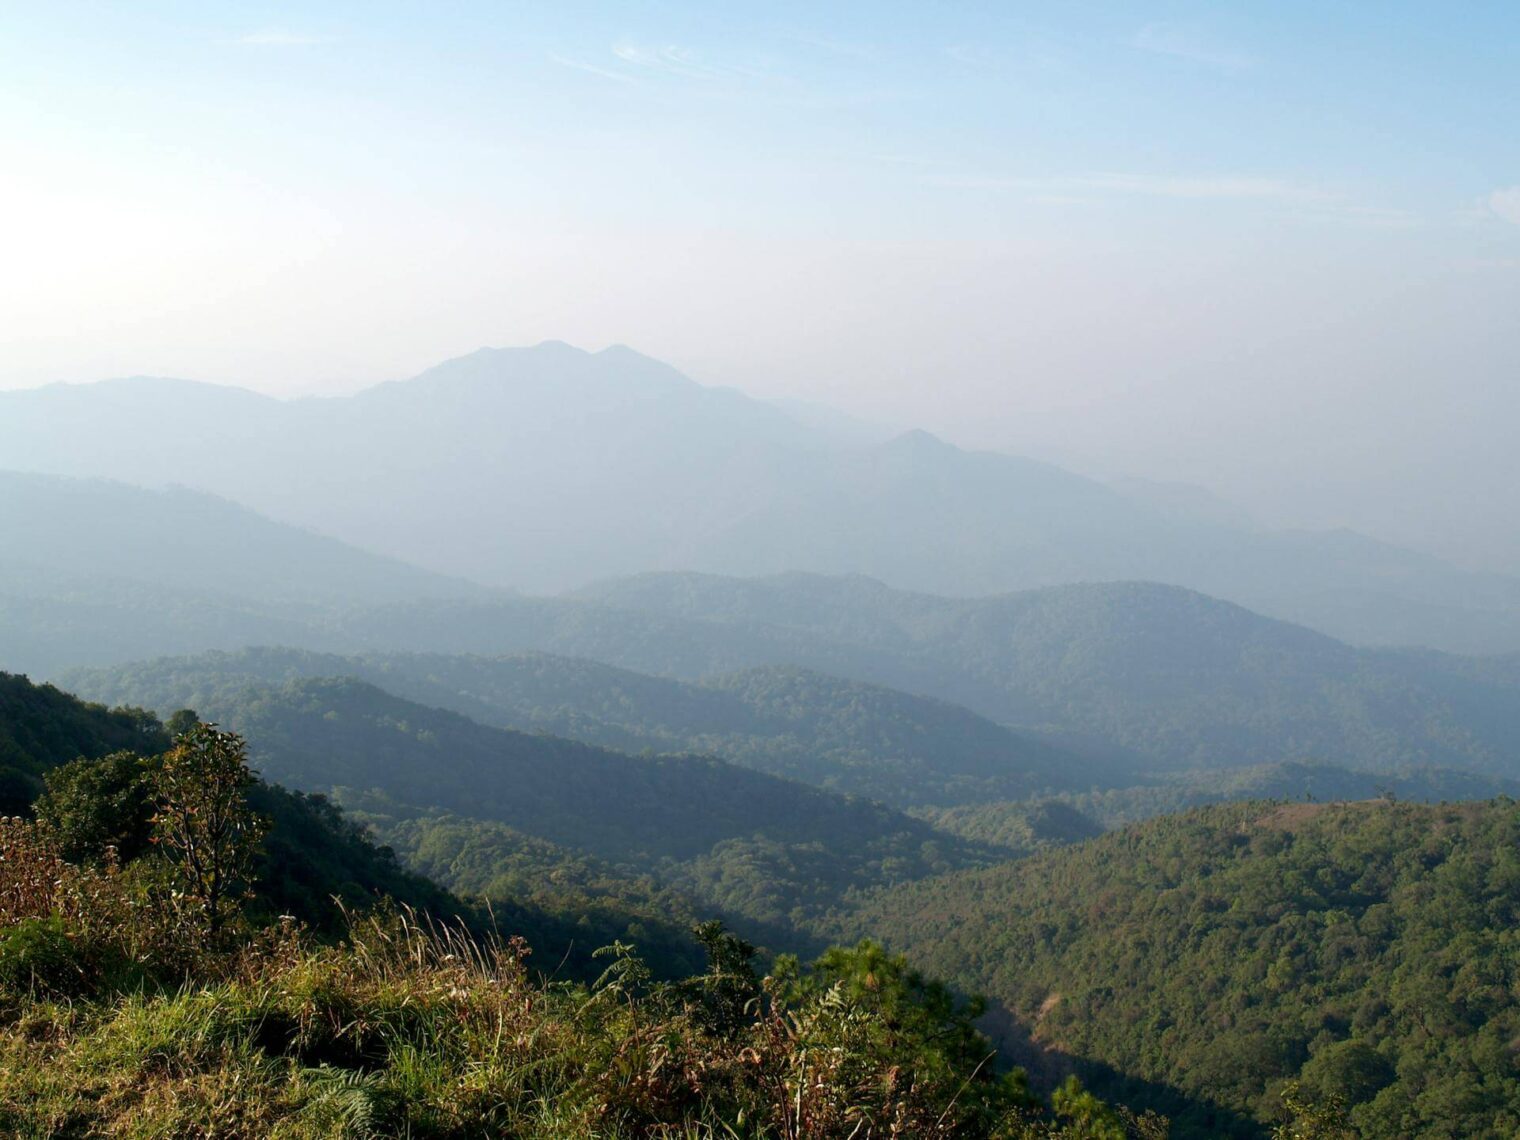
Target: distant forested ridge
[843,735]
[1369,952]
[1159,673]
[751,846]
[1128,676]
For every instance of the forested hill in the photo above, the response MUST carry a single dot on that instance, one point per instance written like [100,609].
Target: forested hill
[1148,675]
[311,854]
[1370,951]
[316,860]
[844,735]
[42,727]
[746,844]
[1179,678]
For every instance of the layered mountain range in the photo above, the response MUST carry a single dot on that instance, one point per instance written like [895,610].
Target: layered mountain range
[546,468]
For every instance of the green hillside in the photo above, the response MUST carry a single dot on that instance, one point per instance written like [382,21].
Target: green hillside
[753,845]
[316,860]
[42,727]
[1125,674]
[1368,951]
[173,962]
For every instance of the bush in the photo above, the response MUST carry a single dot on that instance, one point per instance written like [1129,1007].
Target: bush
[38,957]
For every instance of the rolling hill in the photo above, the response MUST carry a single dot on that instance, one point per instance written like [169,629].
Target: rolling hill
[1178,678]
[751,845]
[1130,676]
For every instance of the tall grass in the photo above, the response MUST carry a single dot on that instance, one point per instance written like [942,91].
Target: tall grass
[409,1027]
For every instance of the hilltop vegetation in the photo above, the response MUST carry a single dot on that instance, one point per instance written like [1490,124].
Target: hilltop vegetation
[1367,952]
[407,1030]
[1168,792]
[147,988]
[42,727]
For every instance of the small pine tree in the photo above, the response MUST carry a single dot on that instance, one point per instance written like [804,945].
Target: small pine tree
[204,824]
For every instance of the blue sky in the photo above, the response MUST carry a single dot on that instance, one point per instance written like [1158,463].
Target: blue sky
[1195,241]
[935,121]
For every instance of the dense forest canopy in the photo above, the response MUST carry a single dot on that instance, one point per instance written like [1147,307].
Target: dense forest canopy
[1367,951]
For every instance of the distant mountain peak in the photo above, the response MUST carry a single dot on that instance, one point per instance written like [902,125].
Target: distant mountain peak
[917,441]
[550,365]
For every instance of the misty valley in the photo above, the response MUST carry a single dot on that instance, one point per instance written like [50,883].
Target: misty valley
[552,746]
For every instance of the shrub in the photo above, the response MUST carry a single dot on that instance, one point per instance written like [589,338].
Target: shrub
[37,956]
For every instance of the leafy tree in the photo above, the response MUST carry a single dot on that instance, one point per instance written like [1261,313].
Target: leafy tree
[91,807]
[1313,1119]
[205,824]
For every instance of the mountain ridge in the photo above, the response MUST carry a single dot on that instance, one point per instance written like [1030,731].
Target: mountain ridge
[544,468]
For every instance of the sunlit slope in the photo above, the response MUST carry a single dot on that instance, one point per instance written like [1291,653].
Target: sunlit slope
[1368,950]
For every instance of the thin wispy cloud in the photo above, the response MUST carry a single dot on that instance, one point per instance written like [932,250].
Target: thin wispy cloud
[589,68]
[1299,198]
[1214,186]
[673,59]
[1182,41]
[1505,204]
[281,37]
[915,160]
[861,51]
[1146,185]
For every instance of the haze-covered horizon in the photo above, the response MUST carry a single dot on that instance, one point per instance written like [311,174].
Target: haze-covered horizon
[1191,498]
[1274,252]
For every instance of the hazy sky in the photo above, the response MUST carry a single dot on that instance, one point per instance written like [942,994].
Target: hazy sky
[1272,247]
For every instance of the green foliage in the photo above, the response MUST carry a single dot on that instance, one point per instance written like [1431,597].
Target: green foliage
[1307,1119]
[38,956]
[41,727]
[1018,827]
[1367,951]
[901,1006]
[95,808]
[410,1029]
[204,824]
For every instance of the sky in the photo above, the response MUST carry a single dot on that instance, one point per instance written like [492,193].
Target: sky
[1270,248]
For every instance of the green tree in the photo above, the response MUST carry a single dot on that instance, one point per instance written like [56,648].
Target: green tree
[91,806]
[1313,1120]
[728,992]
[204,823]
